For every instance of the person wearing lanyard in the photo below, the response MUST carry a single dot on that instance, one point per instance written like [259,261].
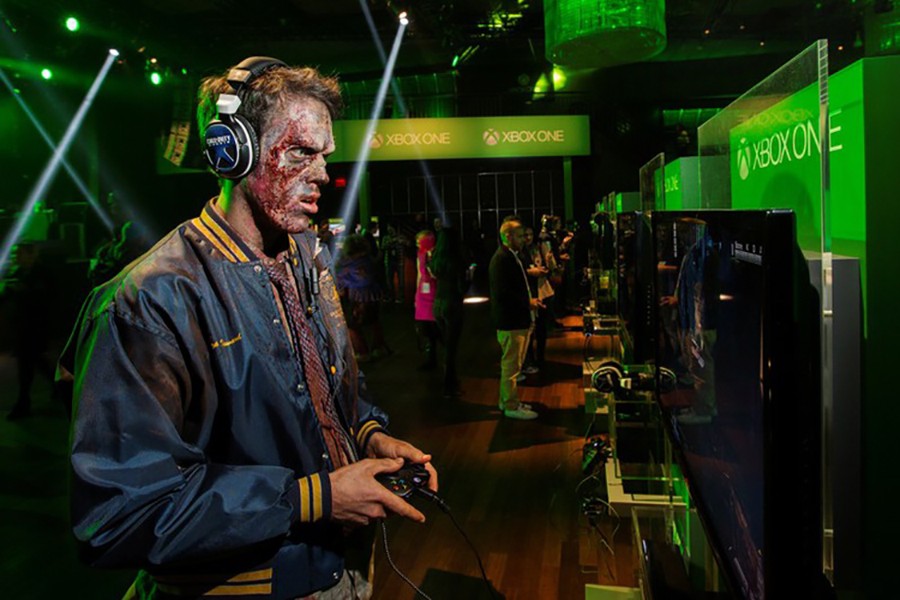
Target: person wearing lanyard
[512,312]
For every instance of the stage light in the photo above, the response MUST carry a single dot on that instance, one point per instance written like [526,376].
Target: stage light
[72,24]
[46,73]
[601,34]
[398,97]
[79,183]
[155,78]
[49,172]
[113,52]
[559,78]
[404,20]
[348,203]
[455,61]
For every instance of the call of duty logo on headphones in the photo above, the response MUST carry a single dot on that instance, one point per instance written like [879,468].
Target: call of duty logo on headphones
[221,148]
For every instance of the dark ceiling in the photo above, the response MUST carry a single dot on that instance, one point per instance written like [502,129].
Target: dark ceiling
[208,35]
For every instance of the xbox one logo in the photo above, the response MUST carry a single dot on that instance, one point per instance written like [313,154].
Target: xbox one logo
[376,141]
[743,158]
[491,137]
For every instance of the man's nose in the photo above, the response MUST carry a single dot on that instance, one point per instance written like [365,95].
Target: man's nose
[319,173]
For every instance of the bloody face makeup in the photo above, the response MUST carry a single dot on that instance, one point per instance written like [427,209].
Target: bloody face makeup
[285,183]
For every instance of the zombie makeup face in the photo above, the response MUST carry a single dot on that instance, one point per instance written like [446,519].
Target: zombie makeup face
[285,184]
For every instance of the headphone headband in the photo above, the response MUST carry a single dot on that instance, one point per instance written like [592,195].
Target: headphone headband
[249,69]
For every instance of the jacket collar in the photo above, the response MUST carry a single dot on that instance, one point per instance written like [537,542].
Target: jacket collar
[216,230]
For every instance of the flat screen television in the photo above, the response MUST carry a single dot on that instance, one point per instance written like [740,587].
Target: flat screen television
[737,323]
[635,278]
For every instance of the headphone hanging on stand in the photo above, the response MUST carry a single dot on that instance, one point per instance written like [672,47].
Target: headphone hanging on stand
[231,144]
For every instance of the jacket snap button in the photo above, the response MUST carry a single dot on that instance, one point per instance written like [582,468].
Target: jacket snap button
[257,268]
[300,387]
[324,456]
[335,576]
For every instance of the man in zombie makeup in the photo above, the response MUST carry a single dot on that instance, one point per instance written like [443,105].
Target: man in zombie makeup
[223,442]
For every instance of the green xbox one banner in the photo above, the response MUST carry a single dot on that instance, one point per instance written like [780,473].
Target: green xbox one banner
[472,137]
[775,159]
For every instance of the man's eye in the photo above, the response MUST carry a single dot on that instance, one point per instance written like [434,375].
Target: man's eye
[301,151]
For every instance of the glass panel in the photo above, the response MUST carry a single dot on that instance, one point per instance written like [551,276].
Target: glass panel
[652,183]
[765,150]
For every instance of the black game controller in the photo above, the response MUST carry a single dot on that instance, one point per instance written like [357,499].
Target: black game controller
[404,482]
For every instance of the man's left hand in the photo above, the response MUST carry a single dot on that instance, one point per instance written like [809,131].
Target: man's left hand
[382,445]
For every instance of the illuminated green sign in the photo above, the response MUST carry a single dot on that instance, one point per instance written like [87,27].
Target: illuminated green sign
[775,163]
[681,184]
[475,137]
[672,186]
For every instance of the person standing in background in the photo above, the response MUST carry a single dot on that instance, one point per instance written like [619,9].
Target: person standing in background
[449,269]
[425,294]
[512,313]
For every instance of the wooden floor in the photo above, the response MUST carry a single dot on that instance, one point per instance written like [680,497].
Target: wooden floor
[511,485]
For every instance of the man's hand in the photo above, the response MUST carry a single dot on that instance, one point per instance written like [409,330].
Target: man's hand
[357,497]
[382,445]
[537,271]
[537,303]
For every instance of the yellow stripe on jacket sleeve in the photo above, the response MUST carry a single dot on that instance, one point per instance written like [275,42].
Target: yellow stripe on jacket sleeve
[211,238]
[318,510]
[365,431]
[305,512]
[223,235]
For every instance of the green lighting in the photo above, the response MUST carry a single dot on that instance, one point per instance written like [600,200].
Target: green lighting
[559,78]
[155,78]
[46,73]
[596,34]
[455,61]
[72,24]
[183,71]
[541,86]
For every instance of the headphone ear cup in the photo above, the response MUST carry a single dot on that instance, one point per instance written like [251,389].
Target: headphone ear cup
[250,145]
[606,377]
[231,146]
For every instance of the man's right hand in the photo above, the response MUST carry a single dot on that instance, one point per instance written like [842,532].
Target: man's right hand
[357,497]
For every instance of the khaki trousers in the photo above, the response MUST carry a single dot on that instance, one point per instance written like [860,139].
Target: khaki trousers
[513,345]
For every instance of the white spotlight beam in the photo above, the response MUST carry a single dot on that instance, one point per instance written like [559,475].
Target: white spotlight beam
[53,166]
[348,204]
[79,183]
[426,172]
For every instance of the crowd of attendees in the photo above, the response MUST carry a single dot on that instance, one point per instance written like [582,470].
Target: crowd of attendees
[424,264]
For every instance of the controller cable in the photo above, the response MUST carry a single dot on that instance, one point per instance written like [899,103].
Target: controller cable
[446,509]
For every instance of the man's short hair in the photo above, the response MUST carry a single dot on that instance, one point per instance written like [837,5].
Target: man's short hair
[265,92]
[507,228]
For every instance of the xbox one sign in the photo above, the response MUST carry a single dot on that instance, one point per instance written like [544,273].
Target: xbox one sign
[790,144]
[413,138]
[492,137]
[462,137]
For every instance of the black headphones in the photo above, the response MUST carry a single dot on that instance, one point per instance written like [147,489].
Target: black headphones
[231,145]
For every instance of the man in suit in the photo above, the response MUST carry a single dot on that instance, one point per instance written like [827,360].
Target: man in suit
[512,311]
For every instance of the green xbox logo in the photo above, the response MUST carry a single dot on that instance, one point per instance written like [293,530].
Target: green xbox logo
[743,159]
[491,137]
[376,141]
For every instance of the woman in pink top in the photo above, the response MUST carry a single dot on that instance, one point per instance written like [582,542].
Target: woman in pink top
[425,292]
